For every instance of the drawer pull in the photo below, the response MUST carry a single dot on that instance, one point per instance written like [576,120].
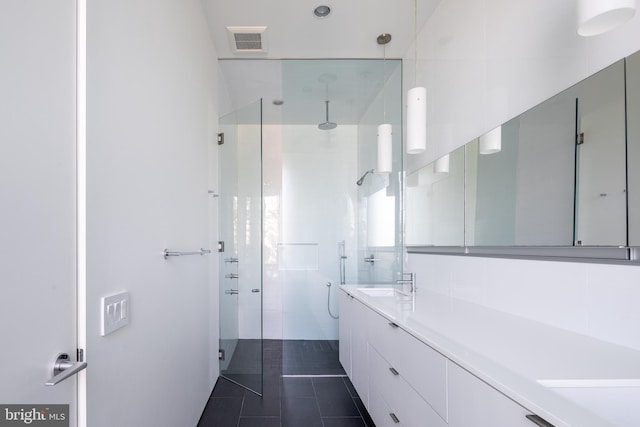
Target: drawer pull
[394,418]
[393,325]
[540,422]
[394,372]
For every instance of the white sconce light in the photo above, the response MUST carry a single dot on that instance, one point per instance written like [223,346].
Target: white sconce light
[416,103]
[599,16]
[385,131]
[441,166]
[491,142]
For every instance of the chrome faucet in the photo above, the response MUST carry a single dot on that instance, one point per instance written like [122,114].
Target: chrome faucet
[408,279]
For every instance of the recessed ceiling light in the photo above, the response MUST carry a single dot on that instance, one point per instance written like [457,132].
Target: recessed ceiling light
[322,11]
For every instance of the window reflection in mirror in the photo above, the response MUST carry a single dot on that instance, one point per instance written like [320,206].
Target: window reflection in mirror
[435,203]
[600,159]
[633,142]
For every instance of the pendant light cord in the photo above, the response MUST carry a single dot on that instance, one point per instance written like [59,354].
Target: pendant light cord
[415,43]
[384,83]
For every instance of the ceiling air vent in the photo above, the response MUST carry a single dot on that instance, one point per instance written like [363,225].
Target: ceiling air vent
[248,39]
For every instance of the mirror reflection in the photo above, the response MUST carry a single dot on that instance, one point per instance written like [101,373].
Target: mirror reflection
[633,142]
[600,158]
[435,203]
[554,176]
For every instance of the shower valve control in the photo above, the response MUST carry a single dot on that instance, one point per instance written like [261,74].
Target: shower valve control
[371,259]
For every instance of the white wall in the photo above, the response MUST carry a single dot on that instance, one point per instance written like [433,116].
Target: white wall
[598,300]
[484,62]
[152,118]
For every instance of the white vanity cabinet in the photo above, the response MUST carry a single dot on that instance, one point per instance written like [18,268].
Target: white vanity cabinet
[352,332]
[345,302]
[424,369]
[393,401]
[359,349]
[472,402]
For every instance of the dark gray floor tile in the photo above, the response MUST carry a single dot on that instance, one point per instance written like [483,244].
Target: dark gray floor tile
[300,411]
[265,405]
[259,422]
[350,387]
[334,399]
[300,387]
[363,413]
[226,388]
[343,422]
[221,412]
[334,379]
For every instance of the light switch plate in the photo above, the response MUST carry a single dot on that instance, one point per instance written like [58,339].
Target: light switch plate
[115,312]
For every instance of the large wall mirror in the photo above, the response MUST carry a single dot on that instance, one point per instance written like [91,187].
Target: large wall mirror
[553,177]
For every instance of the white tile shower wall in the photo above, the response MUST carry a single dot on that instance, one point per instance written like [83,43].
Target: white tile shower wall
[310,197]
[598,300]
[484,62]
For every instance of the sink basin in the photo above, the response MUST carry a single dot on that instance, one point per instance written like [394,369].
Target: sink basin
[615,400]
[616,404]
[378,292]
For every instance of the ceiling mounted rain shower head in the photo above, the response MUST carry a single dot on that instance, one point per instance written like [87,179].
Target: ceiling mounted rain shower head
[327,125]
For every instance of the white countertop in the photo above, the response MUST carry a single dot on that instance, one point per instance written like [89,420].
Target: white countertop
[567,378]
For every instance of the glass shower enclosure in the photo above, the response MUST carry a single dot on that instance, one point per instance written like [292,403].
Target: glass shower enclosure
[303,209]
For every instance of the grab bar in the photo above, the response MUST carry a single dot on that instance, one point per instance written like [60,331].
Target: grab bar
[168,253]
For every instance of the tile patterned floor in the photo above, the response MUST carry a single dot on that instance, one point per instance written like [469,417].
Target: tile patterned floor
[290,401]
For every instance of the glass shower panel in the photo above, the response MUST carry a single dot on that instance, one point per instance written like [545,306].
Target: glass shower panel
[240,216]
[379,200]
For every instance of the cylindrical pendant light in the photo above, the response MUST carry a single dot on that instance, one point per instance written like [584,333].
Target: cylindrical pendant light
[416,120]
[441,166]
[599,16]
[385,144]
[491,142]
[416,102]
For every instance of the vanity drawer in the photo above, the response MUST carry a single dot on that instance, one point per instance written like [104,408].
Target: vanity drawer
[393,401]
[424,369]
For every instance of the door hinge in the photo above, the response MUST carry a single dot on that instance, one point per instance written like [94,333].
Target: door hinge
[580,138]
[220,246]
[80,355]
[221,354]
[221,138]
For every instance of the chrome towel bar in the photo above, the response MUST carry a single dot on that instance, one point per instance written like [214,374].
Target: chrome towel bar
[168,253]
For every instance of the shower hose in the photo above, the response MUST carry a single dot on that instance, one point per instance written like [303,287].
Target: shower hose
[329,301]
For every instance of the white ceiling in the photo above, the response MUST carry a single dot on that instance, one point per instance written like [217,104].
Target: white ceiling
[293,32]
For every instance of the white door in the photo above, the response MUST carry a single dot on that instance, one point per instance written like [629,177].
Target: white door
[37,202]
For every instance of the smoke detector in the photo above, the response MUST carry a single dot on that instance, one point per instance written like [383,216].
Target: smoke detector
[248,39]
